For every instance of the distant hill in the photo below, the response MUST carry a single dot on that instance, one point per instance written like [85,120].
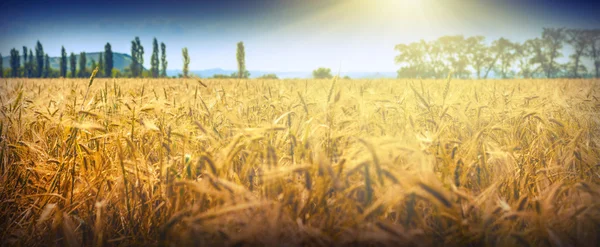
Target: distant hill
[207,73]
[120,60]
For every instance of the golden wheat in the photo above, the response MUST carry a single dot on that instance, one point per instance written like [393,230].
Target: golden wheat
[299,162]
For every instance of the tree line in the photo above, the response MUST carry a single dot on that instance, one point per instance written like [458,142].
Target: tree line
[72,67]
[469,57]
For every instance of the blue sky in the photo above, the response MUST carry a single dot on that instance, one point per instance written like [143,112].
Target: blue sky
[284,35]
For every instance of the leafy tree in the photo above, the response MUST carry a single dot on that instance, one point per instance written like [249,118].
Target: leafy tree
[593,49]
[15,62]
[73,64]
[478,54]
[523,53]
[46,73]
[39,55]
[411,55]
[497,50]
[186,61]
[322,73]
[506,55]
[455,54]
[269,76]
[578,39]
[63,62]
[553,39]
[245,75]
[163,58]
[82,65]
[108,60]
[220,76]
[154,59]
[241,61]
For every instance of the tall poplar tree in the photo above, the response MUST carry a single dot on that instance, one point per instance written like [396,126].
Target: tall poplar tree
[137,57]
[241,60]
[100,64]
[39,57]
[163,58]
[46,73]
[82,64]
[154,59]
[108,60]
[31,67]
[63,62]
[73,65]
[15,62]
[25,64]
[186,61]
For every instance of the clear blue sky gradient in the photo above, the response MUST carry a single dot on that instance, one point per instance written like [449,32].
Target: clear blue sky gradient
[284,35]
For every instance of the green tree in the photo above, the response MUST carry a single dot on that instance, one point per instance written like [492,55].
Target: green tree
[269,76]
[478,54]
[63,62]
[455,54]
[186,61]
[108,60]
[31,66]
[73,64]
[26,69]
[46,73]
[39,55]
[163,58]
[411,57]
[578,39]
[100,65]
[15,62]
[506,56]
[553,39]
[82,65]
[322,73]
[94,64]
[523,54]
[154,59]
[220,76]
[137,56]
[593,49]
[245,75]
[241,61]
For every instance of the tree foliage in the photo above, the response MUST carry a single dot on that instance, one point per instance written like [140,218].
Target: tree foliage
[63,62]
[73,65]
[163,58]
[186,61]
[39,57]
[322,73]
[241,61]
[108,60]
[137,57]
[82,65]
[154,59]
[15,62]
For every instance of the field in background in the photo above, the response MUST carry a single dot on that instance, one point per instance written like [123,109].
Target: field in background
[300,162]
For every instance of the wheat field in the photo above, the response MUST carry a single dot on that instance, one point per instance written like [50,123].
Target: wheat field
[179,162]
